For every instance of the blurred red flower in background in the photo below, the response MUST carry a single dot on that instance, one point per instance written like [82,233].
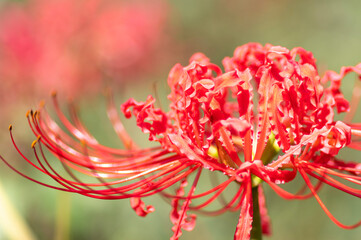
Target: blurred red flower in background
[266,119]
[74,46]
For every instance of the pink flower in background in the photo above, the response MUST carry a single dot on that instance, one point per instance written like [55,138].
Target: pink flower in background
[267,118]
[75,46]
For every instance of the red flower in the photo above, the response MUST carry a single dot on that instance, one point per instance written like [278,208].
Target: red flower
[270,102]
[72,46]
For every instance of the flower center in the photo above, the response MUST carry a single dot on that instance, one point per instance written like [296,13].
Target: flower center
[218,152]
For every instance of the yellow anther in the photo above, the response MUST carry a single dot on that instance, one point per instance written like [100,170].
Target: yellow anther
[35,141]
[33,144]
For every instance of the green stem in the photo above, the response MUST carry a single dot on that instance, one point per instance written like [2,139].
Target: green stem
[63,216]
[12,224]
[256,232]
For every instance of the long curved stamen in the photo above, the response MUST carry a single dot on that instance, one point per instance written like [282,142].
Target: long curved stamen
[338,223]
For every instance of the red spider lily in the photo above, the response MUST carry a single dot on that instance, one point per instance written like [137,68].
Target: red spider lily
[268,102]
[74,45]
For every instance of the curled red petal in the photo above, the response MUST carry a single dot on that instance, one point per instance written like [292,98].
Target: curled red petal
[139,207]
[244,226]
[181,219]
[150,119]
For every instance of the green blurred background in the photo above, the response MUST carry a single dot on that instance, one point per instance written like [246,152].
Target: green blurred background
[328,28]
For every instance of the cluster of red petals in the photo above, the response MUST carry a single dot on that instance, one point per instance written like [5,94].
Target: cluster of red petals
[268,99]
[72,45]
